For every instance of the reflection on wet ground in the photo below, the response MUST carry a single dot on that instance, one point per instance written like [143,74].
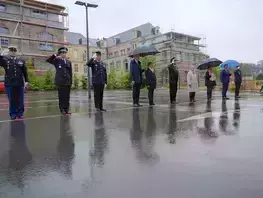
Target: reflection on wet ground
[188,150]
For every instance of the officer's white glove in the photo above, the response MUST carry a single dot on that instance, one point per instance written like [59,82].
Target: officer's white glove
[94,56]
[133,82]
[26,85]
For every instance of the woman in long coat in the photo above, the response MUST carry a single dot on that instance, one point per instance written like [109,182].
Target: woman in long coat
[192,83]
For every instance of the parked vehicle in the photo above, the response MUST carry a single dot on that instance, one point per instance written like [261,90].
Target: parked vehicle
[2,84]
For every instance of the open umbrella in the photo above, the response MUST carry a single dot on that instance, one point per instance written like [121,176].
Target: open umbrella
[144,50]
[213,62]
[230,63]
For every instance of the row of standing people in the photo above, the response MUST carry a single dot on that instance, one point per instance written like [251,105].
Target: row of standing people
[16,79]
[210,82]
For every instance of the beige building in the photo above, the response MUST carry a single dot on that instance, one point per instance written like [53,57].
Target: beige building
[78,51]
[35,27]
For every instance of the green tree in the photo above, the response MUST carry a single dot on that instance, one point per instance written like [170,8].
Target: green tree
[145,60]
[246,69]
[2,71]
[75,81]
[49,81]
[84,82]
[259,77]
[217,71]
[30,63]
[112,80]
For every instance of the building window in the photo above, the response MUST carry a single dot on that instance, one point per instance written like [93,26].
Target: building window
[110,54]
[76,68]
[46,46]
[123,52]
[47,37]
[39,14]
[126,65]
[2,8]
[116,53]
[134,46]
[112,65]
[118,64]
[75,53]
[128,50]
[85,56]
[4,41]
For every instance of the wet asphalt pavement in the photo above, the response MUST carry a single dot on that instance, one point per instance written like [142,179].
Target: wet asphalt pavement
[186,151]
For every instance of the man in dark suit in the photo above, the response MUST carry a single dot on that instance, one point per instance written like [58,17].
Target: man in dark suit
[225,79]
[16,80]
[99,79]
[173,79]
[63,78]
[238,81]
[136,77]
[150,82]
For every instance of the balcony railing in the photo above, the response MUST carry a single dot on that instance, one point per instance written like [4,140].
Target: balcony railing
[44,22]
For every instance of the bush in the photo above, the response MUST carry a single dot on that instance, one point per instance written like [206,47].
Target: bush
[125,80]
[75,81]
[84,82]
[112,80]
[49,81]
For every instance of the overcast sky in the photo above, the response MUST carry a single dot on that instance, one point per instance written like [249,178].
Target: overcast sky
[233,28]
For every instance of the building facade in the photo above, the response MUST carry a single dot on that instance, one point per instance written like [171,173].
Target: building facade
[186,48]
[77,45]
[35,27]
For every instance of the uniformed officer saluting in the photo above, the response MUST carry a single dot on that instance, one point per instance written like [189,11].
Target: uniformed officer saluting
[16,79]
[99,79]
[63,78]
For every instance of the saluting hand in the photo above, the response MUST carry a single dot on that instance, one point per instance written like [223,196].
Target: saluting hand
[94,56]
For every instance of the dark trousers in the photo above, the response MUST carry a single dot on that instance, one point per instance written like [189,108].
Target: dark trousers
[136,89]
[63,98]
[192,96]
[224,89]
[98,95]
[150,95]
[209,92]
[173,91]
[237,88]
[16,101]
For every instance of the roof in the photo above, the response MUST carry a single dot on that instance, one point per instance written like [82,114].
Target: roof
[193,37]
[73,38]
[145,29]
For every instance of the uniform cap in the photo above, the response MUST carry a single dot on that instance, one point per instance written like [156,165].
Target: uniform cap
[12,47]
[173,59]
[62,49]
[98,53]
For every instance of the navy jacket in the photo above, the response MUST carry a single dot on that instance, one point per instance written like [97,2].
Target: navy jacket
[238,76]
[15,71]
[150,78]
[63,70]
[99,71]
[225,76]
[173,74]
[136,71]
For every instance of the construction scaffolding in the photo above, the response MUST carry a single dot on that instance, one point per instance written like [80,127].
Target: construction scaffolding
[36,28]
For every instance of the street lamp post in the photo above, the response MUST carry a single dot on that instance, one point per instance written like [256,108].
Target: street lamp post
[87,5]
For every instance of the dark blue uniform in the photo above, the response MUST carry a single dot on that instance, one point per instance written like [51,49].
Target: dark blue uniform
[136,76]
[15,78]
[99,79]
[225,79]
[63,81]
[151,84]
[238,81]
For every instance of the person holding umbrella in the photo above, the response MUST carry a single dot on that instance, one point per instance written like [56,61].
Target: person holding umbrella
[63,78]
[210,82]
[225,79]
[238,81]
[16,80]
[173,79]
[136,77]
[150,82]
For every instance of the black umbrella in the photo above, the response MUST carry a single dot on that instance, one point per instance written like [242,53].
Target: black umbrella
[213,62]
[144,50]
